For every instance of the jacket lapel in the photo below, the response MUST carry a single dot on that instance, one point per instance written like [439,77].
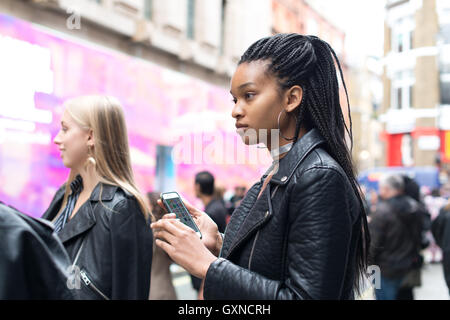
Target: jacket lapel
[304,146]
[238,217]
[83,220]
[55,205]
[251,220]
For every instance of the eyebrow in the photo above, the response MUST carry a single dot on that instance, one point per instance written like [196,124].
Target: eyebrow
[244,85]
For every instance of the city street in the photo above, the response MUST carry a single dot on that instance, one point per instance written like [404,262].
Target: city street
[182,283]
[433,285]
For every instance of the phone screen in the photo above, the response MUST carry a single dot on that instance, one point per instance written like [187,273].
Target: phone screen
[174,204]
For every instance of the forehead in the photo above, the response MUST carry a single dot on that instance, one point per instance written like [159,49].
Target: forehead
[254,71]
[66,117]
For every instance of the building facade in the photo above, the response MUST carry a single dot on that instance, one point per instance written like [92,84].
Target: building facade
[201,38]
[304,17]
[363,79]
[416,83]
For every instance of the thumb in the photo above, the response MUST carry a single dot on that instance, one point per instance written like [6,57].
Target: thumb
[192,210]
[160,203]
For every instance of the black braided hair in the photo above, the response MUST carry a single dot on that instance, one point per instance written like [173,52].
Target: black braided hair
[309,62]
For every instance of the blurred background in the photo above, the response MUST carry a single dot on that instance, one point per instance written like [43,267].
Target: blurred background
[170,63]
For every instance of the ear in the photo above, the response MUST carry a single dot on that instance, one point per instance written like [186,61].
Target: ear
[90,138]
[294,97]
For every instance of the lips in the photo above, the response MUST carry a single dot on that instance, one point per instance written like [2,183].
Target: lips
[239,126]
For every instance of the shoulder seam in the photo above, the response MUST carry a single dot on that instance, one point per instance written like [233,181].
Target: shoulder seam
[324,167]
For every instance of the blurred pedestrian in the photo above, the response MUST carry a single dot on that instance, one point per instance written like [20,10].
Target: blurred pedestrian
[396,231]
[33,261]
[162,286]
[434,203]
[219,193]
[413,278]
[214,207]
[441,232]
[99,214]
[235,201]
[373,201]
[301,231]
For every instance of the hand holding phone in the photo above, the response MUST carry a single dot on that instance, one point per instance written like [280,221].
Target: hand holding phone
[173,203]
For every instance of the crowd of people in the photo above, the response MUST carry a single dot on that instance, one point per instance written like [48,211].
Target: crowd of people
[408,227]
[301,231]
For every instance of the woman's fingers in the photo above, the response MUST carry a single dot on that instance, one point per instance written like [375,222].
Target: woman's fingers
[161,204]
[192,210]
[164,245]
[169,216]
[172,226]
[161,234]
[182,226]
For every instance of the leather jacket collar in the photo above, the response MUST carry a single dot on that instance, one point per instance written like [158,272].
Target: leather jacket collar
[295,156]
[84,219]
[253,212]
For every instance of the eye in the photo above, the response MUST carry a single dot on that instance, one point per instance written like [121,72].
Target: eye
[234,100]
[64,129]
[249,95]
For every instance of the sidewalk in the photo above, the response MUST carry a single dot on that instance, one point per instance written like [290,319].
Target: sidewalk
[433,285]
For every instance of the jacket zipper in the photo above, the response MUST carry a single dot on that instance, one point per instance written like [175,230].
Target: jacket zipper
[89,283]
[257,233]
[78,254]
[251,252]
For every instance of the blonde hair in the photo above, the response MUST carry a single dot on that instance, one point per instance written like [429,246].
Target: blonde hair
[110,155]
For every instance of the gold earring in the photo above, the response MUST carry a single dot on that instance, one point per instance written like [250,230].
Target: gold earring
[91,158]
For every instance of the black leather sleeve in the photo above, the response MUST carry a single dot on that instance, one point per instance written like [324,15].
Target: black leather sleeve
[132,242]
[33,262]
[319,235]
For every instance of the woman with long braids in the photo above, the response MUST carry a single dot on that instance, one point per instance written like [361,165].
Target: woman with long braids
[301,231]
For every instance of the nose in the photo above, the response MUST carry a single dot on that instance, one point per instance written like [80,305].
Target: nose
[237,111]
[57,139]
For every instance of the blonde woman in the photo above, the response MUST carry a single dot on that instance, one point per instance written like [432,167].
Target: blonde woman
[99,214]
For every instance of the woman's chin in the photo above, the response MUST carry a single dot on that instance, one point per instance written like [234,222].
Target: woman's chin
[249,142]
[67,164]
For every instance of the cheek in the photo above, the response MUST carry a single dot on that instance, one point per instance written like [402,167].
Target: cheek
[265,114]
[75,145]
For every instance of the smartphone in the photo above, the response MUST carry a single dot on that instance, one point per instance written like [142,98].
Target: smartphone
[173,203]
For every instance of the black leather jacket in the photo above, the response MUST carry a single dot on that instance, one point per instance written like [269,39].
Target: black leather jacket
[110,242]
[33,262]
[298,240]
[441,233]
[396,230]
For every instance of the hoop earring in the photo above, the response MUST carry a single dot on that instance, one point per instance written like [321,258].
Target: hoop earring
[279,129]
